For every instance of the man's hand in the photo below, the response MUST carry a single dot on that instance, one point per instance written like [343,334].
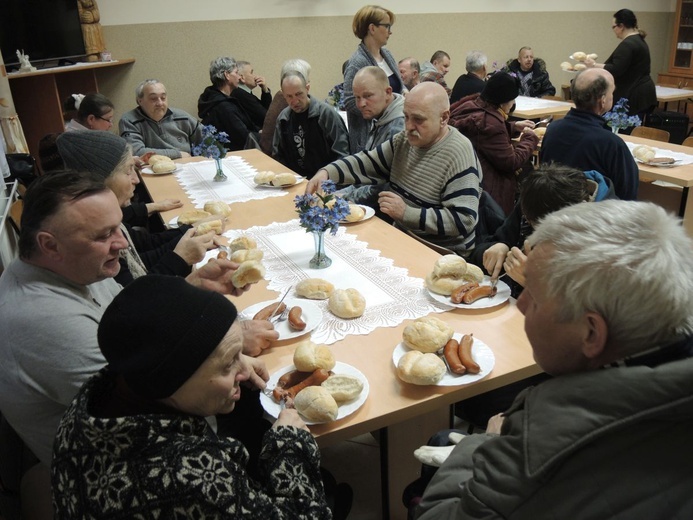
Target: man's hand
[192,248]
[258,374]
[216,276]
[494,257]
[164,205]
[315,183]
[260,82]
[515,265]
[392,204]
[257,336]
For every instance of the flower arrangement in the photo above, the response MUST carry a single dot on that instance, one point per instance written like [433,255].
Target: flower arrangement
[212,144]
[618,119]
[335,97]
[321,211]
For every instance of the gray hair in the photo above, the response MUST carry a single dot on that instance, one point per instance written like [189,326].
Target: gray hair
[476,60]
[240,64]
[293,74]
[124,162]
[219,67]
[629,262]
[413,63]
[586,95]
[139,91]
[297,65]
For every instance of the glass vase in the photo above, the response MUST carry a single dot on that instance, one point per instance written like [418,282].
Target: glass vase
[320,260]
[220,176]
[615,129]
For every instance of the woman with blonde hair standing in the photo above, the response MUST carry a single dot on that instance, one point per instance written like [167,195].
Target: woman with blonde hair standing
[372,24]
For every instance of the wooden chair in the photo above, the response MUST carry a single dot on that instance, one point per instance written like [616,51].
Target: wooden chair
[647,132]
[566,92]
[15,214]
[688,141]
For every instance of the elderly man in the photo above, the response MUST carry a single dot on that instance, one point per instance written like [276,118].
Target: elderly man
[53,297]
[309,133]
[254,107]
[608,308]
[218,107]
[378,105]
[436,69]
[534,78]
[583,140]
[153,127]
[475,78]
[409,69]
[428,175]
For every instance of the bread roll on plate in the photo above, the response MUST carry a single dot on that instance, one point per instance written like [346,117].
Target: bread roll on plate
[308,357]
[357,213]
[248,272]
[347,303]
[427,334]
[153,159]
[283,179]
[342,387]
[218,207]
[242,242]
[314,289]
[579,66]
[420,369]
[451,271]
[264,177]
[192,216]
[243,255]
[164,167]
[316,404]
[209,225]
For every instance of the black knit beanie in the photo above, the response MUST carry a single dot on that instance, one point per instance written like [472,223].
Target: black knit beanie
[91,150]
[159,330]
[500,88]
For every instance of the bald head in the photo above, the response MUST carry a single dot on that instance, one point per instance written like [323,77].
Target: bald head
[426,114]
[431,94]
[593,91]
[372,92]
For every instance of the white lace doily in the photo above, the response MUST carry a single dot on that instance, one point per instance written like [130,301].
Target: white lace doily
[391,295]
[196,181]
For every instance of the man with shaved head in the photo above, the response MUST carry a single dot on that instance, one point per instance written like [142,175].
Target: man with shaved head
[378,105]
[427,176]
[583,140]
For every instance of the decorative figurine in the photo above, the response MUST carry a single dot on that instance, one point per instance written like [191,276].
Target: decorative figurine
[24,64]
[92,32]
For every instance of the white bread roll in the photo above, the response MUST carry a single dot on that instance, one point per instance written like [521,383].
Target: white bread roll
[357,213]
[283,179]
[592,56]
[192,216]
[264,177]
[566,65]
[420,369]
[218,207]
[248,272]
[242,242]
[210,225]
[164,167]
[314,289]
[343,388]
[579,66]
[579,56]
[644,153]
[308,357]
[153,159]
[243,255]
[451,271]
[347,303]
[427,334]
[316,404]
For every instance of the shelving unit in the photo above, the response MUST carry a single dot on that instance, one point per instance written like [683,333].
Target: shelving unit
[38,96]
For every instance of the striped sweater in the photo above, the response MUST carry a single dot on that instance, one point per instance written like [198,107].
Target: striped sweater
[440,185]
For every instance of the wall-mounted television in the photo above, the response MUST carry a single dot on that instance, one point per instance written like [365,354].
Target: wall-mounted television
[47,30]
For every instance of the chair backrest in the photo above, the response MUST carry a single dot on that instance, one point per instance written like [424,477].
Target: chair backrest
[656,134]
[688,141]
[16,214]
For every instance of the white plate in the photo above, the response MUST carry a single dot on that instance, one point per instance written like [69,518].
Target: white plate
[173,223]
[659,165]
[370,212]
[481,353]
[502,296]
[312,315]
[299,180]
[273,408]
[148,171]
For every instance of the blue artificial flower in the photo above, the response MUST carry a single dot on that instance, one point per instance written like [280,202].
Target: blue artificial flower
[211,145]
[618,116]
[321,211]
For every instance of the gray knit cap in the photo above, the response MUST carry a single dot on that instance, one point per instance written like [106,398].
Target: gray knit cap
[93,151]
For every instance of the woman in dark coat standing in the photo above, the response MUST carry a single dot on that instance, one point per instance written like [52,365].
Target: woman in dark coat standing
[629,64]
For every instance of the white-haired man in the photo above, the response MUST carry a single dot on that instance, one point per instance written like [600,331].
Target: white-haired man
[475,78]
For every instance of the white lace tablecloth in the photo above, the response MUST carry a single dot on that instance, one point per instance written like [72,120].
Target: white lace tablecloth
[196,180]
[392,296]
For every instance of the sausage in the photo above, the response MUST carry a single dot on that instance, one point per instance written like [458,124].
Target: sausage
[264,314]
[451,353]
[314,379]
[295,320]
[459,293]
[465,353]
[291,378]
[483,291]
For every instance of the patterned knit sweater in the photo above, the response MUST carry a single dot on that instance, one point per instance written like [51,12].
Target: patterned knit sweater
[440,185]
[174,466]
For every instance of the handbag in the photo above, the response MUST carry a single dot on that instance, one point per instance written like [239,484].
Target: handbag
[22,167]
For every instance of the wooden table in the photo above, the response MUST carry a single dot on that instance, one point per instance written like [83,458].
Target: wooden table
[666,94]
[406,414]
[537,108]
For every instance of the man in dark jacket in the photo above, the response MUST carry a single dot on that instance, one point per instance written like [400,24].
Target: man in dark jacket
[216,106]
[475,78]
[254,107]
[532,73]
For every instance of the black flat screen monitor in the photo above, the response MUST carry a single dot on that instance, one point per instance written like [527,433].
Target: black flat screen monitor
[47,30]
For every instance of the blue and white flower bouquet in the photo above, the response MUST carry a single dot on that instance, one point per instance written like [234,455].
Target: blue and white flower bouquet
[321,211]
[618,119]
[212,144]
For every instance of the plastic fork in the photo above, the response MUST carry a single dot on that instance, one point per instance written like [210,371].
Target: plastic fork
[281,317]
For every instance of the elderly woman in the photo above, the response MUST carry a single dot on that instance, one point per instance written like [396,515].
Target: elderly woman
[372,24]
[135,443]
[483,118]
[217,107]
[171,252]
[92,112]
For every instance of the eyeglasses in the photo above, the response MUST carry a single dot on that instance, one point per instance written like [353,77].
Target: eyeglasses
[109,121]
[387,25]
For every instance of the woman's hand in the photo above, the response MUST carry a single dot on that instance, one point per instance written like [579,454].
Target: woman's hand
[164,205]
[290,417]
[515,265]
[494,257]
[257,336]
[258,374]
[521,125]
